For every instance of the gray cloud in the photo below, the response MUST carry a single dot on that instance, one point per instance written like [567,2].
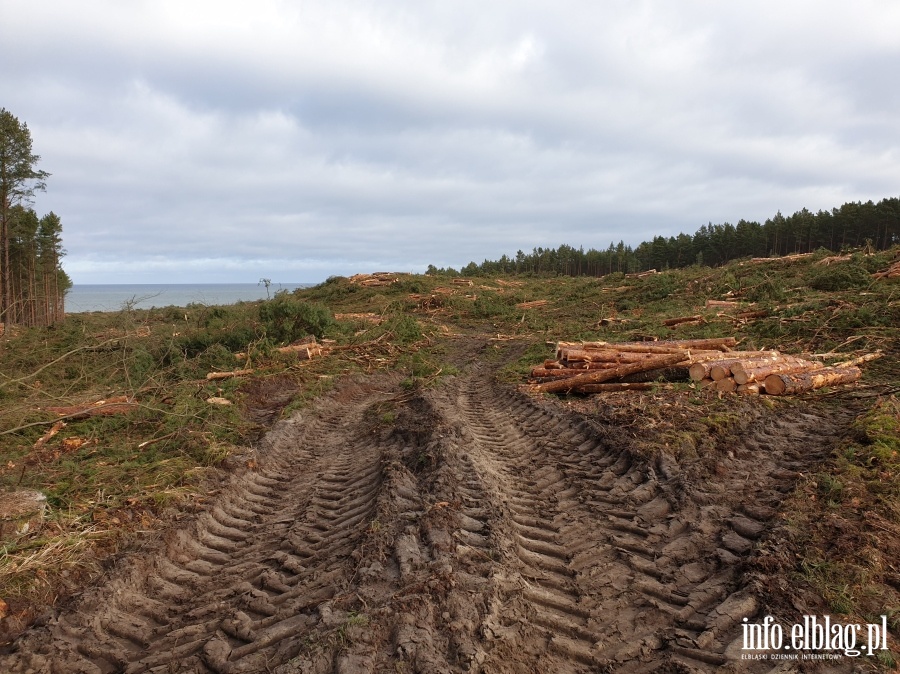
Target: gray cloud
[208,141]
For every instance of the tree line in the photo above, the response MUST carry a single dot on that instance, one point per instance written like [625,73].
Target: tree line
[852,225]
[33,285]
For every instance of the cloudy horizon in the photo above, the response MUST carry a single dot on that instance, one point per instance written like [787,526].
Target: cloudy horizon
[211,142]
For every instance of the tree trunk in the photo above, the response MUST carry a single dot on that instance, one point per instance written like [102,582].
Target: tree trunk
[800,382]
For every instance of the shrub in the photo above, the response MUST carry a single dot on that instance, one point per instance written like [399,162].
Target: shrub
[839,277]
[287,318]
[405,329]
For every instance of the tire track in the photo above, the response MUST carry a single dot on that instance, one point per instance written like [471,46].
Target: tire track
[477,531]
[619,561]
[227,591]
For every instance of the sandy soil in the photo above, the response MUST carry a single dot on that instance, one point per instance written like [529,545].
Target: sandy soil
[464,528]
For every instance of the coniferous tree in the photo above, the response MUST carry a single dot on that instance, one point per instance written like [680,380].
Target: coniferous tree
[32,283]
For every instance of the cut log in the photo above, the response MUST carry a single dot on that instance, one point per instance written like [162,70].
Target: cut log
[303,351]
[672,322]
[704,366]
[726,385]
[800,382]
[592,356]
[721,303]
[674,373]
[609,388]
[728,368]
[214,376]
[860,360]
[600,376]
[750,372]
[753,389]
[562,373]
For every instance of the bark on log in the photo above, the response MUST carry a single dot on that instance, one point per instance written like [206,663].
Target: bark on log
[674,373]
[750,372]
[562,373]
[592,356]
[714,344]
[800,382]
[600,376]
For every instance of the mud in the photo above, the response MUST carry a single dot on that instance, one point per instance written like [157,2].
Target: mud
[464,528]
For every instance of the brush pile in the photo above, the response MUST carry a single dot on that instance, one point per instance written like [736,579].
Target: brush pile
[594,367]
[891,272]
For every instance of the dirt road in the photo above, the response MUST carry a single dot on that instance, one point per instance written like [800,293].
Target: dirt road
[464,528]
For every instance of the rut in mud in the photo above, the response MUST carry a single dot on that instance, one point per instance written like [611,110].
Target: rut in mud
[464,528]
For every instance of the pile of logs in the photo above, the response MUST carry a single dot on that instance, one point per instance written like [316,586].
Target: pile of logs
[379,279]
[594,367]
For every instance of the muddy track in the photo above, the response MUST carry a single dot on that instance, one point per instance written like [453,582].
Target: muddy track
[471,529]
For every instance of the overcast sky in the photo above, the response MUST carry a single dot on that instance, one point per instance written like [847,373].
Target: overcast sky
[226,141]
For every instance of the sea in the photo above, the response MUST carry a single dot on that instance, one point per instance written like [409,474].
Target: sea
[115,297]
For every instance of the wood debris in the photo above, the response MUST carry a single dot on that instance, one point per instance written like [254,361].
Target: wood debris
[784,258]
[833,259]
[721,304]
[596,367]
[684,320]
[215,376]
[105,407]
[532,305]
[891,272]
[368,317]
[642,274]
[461,282]
[376,280]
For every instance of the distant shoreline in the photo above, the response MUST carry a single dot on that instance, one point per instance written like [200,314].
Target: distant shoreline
[90,297]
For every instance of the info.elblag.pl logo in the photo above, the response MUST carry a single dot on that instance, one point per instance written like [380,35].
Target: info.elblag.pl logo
[813,639]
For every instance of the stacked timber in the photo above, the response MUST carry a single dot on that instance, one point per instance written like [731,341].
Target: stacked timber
[593,367]
[379,279]
[774,373]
